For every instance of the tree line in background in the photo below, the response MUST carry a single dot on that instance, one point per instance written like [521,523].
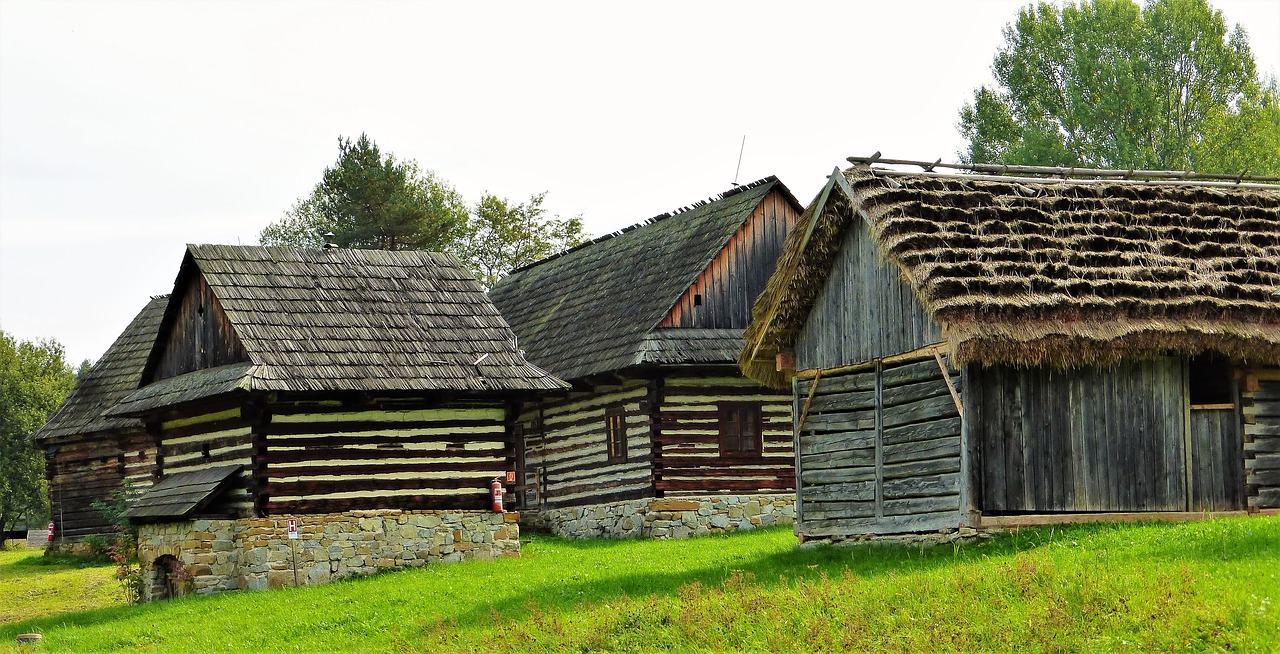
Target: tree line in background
[1108,84]
[34,380]
[369,199]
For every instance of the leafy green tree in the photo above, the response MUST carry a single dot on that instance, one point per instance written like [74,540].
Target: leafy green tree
[368,199]
[501,236]
[34,380]
[1108,84]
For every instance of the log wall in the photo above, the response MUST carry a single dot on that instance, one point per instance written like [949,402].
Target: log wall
[687,438]
[566,452]
[880,452]
[88,468]
[207,440]
[324,457]
[1261,409]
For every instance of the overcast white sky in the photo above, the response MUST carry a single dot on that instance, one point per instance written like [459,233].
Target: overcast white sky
[130,129]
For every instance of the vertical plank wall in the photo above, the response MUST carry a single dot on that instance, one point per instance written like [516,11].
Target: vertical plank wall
[688,438]
[1261,409]
[1217,460]
[209,440]
[864,311]
[571,452]
[201,335]
[879,452]
[323,457]
[87,469]
[722,296]
[1089,440]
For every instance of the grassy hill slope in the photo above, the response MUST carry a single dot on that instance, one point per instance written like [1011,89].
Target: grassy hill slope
[1195,586]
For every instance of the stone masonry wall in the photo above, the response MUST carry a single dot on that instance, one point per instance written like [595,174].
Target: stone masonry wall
[669,517]
[256,553]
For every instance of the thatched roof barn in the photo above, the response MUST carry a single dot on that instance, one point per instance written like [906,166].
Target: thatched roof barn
[1032,271]
[89,454]
[646,323]
[1016,275]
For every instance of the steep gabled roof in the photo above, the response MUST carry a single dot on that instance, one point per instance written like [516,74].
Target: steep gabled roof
[347,320]
[111,379]
[590,310]
[1032,271]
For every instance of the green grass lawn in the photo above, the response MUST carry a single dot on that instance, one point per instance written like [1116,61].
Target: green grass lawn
[34,585]
[1208,586]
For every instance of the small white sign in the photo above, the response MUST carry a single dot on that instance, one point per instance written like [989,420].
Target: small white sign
[293,530]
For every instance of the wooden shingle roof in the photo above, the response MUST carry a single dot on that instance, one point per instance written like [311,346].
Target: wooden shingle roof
[348,320]
[595,308]
[1048,271]
[180,495]
[113,377]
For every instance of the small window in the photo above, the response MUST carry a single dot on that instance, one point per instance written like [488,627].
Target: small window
[741,429]
[615,421]
[697,299]
[1210,380]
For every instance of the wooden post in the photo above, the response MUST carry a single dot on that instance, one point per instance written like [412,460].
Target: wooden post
[1187,459]
[879,412]
[795,444]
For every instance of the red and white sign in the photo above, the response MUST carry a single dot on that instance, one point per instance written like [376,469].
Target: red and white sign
[511,476]
[293,529]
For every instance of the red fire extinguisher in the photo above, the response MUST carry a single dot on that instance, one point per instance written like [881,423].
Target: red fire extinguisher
[495,491]
[50,532]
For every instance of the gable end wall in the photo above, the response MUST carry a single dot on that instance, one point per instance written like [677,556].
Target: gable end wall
[865,310]
[728,288]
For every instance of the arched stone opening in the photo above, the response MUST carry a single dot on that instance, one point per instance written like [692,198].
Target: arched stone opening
[168,578]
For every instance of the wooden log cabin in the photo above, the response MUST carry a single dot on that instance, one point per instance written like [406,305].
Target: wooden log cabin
[984,350]
[327,386]
[645,323]
[89,455]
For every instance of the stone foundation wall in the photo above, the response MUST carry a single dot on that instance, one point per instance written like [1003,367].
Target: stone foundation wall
[256,553]
[669,517]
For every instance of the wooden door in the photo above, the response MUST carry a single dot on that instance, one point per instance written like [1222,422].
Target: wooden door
[1217,460]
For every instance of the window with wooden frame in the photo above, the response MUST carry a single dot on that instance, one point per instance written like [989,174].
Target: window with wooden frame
[741,429]
[615,424]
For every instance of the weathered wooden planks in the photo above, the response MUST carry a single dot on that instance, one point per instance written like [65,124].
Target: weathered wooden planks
[88,468]
[1261,451]
[865,311]
[1114,439]
[723,294]
[879,452]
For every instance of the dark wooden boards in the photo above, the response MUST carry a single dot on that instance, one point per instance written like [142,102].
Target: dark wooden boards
[1261,417]
[879,452]
[865,310]
[1116,439]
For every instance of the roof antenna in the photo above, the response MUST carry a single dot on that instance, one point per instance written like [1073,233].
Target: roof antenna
[739,168]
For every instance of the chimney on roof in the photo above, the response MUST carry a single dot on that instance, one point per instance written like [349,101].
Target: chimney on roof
[328,241]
